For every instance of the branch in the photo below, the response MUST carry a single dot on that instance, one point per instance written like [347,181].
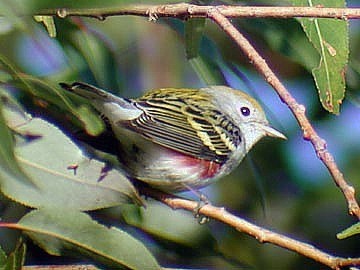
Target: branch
[297,109]
[218,14]
[184,10]
[259,233]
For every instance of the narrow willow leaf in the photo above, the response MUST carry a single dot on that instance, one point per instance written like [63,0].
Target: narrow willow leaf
[60,231]
[330,39]
[54,95]
[48,21]
[94,53]
[9,167]
[15,260]
[179,227]
[2,258]
[285,37]
[47,159]
[354,229]
[92,124]
[59,97]
[9,10]
[194,29]
[210,73]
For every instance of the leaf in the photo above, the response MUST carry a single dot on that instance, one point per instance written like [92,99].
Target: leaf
[178,227]
[2,258]
[94,53]
[286,37]
[9,11]
[48,21]
[208,71]
[15,260]
[333,48]
[352,230]
[59,231]
[194,29]
[92,124]
[46,159]
[9,167]
[45,91]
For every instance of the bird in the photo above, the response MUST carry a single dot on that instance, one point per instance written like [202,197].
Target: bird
[179,139]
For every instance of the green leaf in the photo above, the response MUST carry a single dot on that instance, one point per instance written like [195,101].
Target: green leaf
[9,11]
[59,231]
[9,167]
[178,226]
[48,21]
[54,96]
[286,37]
[94,53]
[354,229]
[92,124]
[208,71]
[15,260]
[194,29]
[333,48]
[46,160]
[2,258]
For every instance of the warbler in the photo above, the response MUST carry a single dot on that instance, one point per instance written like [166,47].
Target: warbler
[180,139]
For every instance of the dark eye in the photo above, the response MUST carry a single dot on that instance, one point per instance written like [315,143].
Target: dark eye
[245,111]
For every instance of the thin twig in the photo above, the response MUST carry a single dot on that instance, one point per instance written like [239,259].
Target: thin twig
[297,109]
[261,234]
[184,10]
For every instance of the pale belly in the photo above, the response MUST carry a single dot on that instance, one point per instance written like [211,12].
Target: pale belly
[169,170]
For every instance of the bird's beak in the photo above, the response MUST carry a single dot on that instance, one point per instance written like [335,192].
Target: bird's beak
[269,131]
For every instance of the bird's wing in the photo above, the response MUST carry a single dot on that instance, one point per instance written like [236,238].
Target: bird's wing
[186,121]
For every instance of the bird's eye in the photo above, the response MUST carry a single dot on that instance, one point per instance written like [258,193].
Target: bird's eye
[245,111]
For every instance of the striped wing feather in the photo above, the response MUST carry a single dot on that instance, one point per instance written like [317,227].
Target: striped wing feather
[174,119]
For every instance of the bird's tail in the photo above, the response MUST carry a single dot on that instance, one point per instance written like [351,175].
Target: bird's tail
[113,107]
[90,92]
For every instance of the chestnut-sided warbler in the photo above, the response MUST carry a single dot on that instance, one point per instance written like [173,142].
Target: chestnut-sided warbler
[179,139]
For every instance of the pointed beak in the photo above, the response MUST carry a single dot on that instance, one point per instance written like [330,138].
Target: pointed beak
[269,131]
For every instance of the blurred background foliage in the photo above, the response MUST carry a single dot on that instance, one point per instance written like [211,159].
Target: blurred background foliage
[281,185]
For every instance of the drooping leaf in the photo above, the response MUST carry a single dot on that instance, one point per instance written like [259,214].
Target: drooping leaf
[46,159]
[286,37]
[46,93]
[91,121]
[60,231]
[48,21]
[15,260]
[330,39]
[10,11]
[54,95]
[352,230]
[2,257]
[9,167]
[194,29]
[178,227]
[94,53]
[208,71]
